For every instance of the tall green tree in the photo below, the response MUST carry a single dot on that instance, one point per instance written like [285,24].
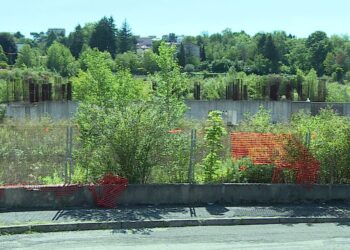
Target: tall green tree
[318,45]
[104,36]
[181,56]
[213,139]
[271,53]
[76,41]
[60,60]
[51,38]
[3,57]
[7,42]
[125,38]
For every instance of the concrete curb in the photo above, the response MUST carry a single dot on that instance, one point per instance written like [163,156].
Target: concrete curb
[78,226]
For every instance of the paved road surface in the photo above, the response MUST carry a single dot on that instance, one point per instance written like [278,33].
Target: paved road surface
[297,236]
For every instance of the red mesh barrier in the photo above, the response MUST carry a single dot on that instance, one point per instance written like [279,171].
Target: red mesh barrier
[110,188]
[283,150]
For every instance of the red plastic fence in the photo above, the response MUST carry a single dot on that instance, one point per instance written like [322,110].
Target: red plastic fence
[110,188]
[105,192]
[282,150]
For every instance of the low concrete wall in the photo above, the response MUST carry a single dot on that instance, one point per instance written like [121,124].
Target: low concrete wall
[179,194]
[233,111]
[57,110]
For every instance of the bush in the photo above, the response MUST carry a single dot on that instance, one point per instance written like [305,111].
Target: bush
[189,68]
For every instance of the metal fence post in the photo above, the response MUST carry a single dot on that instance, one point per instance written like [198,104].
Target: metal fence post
[68,170]
[192,156]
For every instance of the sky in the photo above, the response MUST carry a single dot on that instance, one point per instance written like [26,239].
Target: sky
[182,17]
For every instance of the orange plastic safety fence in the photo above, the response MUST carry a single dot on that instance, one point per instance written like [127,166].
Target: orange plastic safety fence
[282,150]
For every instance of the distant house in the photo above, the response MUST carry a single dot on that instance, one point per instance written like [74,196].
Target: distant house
[144,43]
[57,31]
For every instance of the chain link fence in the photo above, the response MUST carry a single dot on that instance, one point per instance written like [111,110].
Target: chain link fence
[36,153]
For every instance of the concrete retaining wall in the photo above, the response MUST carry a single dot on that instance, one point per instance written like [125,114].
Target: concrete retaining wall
[233,111]
[180,194]
[57,110]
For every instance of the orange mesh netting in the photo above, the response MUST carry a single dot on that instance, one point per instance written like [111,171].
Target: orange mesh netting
[282,150]
[110,188]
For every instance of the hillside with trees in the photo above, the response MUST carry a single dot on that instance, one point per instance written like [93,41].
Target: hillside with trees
[274,65]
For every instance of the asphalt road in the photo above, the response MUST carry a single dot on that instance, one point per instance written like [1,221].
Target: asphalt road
[297,236]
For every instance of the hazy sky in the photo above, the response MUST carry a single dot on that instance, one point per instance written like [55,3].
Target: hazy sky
[188,17]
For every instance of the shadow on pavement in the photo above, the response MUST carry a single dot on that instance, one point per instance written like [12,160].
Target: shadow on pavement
[146,213]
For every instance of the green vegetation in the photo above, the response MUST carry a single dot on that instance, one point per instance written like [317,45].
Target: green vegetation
[131,118]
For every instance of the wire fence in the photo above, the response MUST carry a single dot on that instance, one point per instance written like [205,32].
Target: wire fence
[35,153]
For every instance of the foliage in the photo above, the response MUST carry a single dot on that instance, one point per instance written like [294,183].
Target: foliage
[3,57]
[28,57]
[337,93]
[149,63]
[87,53]
[260,122]
[171,85]
[7,42]
[76,41]
[310,85]
[129,60]
[60,60]
[213,138]
[32,153]
[250,173]
[189,68]
[213,88]
[125,39]
[104,36]
[318,45]
[123,127]
[330,143]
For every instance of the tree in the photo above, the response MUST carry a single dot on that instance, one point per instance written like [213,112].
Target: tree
[310,86]
[329,64]
[172,38]
[104,36]
[149,63]
[27,57]
[318,45]
[181,56]
[60,60]
[3,57]
[155,46]
[202,55]
[125,39]
[8,44]
[88,52]
[171,84]
[268,50]
[129,60]
[51,38]
[213,139]
[298,56]
[271,53]
[76,41]
[123,126]
[18,35]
